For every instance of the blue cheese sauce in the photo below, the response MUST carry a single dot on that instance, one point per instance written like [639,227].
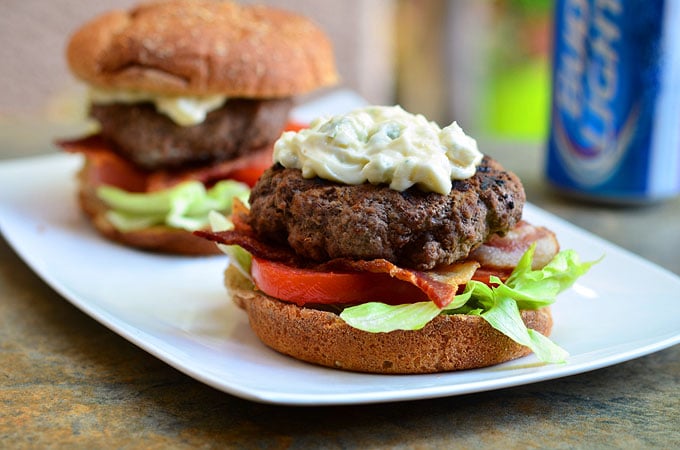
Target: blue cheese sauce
[381,145]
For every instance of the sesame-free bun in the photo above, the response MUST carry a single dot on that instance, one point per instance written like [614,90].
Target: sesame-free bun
[447,343]
[185,47]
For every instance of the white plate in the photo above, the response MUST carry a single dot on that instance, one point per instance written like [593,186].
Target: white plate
[176,309]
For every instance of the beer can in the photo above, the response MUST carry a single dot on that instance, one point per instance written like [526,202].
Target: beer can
[615,107]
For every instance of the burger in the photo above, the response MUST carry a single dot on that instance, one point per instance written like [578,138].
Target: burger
[379,242]
[189,97]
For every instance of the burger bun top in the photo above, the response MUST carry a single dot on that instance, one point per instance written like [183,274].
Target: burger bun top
[185,47]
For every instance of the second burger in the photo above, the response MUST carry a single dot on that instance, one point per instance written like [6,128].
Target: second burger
[189,96]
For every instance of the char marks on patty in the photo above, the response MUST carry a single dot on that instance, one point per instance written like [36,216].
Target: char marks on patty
[322,220]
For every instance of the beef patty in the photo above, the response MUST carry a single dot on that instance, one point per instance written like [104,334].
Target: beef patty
[322,220]
[153,141]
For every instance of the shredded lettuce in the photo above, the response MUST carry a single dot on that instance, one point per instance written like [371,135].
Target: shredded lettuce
[185,206]
[499,305]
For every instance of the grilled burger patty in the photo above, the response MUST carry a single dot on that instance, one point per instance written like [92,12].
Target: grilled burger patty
[322,220]
[153,141]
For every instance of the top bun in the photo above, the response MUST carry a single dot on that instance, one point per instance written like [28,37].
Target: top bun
[202,47]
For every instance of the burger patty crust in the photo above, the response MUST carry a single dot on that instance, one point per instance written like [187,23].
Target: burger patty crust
[153,141]
[322,220]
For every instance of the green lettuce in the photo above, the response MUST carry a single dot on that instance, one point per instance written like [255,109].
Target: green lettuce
[185,206]
[499,305]
[502,313]
[238,256]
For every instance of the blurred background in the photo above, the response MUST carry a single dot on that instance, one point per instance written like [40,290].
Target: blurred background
[449,60]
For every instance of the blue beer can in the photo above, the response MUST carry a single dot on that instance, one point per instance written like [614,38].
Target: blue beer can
[615,111]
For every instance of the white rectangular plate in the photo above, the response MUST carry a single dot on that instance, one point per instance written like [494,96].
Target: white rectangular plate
[176,308]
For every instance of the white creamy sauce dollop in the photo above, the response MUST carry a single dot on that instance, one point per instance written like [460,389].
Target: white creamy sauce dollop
[183,110]
[381,145]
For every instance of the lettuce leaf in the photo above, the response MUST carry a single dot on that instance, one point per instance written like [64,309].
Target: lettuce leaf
[376,317]
[499,305]
[503,314]
[238,256]
[185,206]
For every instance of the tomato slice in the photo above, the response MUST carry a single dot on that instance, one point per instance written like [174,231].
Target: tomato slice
[308,286]
[249,175]
[293,125]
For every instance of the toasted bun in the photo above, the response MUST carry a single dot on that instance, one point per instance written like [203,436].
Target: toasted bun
[157,238]
[449,342]
[203,47]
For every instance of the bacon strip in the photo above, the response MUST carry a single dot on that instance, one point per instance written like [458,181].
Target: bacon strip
[102,166]
[163,179]
[502,253]
[498,257]
[110,168]
[251,243]
[440,286]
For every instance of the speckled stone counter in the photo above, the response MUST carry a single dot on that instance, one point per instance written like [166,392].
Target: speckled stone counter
[68,382]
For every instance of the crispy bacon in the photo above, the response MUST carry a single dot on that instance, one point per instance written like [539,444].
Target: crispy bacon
[484,274]
[162,179]
[440,286]
[93,143]
[105,166]
[251,243]
[239,215]
[502,253]
[496,257]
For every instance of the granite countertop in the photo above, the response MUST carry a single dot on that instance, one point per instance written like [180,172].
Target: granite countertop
[69,382]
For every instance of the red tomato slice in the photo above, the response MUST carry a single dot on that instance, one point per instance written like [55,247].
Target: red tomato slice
[302,286]
[249,175]
[295,126]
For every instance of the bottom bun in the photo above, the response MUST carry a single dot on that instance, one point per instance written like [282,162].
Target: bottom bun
[447,343]
[159,238]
